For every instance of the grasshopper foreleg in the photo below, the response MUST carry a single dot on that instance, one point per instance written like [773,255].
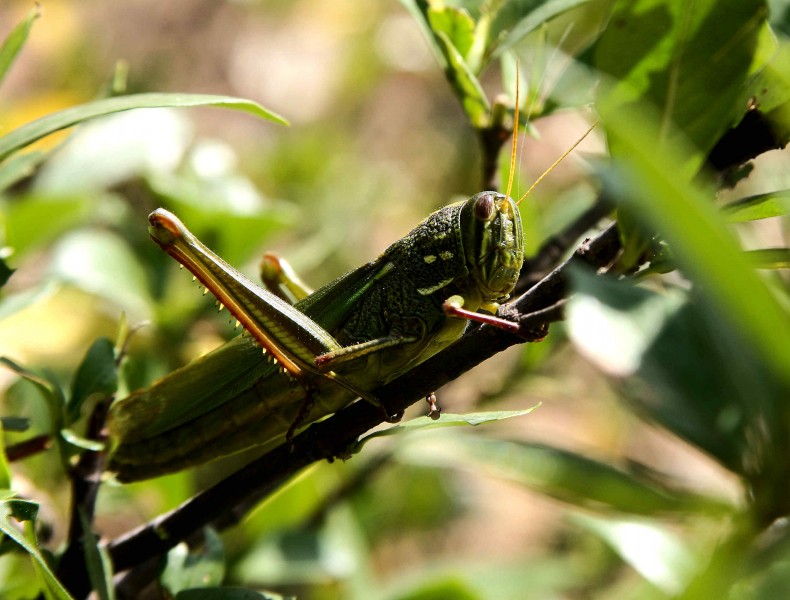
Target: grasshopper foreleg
[454,307]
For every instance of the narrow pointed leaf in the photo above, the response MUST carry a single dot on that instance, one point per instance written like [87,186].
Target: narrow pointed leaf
[15,40]
[19,167]
[18,510]
[97,374]
[770,258]
[761,206]
[27,134]
[567,476]
[444,421]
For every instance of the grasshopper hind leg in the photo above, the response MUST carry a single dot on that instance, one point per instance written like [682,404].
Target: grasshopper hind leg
[279,277]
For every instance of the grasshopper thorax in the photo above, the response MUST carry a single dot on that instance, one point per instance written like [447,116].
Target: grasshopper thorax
[493,244]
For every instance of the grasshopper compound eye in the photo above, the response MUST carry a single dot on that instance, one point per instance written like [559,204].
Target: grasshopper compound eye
[485,208]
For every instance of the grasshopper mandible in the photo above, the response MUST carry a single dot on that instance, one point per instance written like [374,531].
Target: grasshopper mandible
[329,348]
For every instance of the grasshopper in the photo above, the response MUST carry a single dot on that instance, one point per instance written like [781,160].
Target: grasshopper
[327,349]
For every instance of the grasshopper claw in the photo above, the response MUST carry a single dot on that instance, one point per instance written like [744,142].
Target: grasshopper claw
[433,410]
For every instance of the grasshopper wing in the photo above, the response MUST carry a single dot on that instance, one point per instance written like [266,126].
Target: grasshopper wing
[190,391]
[331,305]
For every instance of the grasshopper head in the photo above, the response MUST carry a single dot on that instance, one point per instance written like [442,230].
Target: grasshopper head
[493,243]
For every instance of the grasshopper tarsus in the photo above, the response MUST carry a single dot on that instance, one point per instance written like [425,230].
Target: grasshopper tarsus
[434,411]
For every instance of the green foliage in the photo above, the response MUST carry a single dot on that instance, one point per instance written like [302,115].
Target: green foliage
[97,374]
[446,420]
[26,512]
[14,42]
[760,206]
[682,331]
[188,571]
[677,73]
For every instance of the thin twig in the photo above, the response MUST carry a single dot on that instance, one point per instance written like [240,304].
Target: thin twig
[28,447]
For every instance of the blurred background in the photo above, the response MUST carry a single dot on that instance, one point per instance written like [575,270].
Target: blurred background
[376,142]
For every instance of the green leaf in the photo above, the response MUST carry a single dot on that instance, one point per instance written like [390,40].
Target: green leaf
[652,551]
[101,263]
[185,570]
[682,367]
[104,153]
[442,588]
[465,83]
[49,389]
[565,475]
[38,220]
[672,53]
[420,9]
[655,183]
[769,258]
[228,593]
[97,374]
[761,206]
[27,134]
[444,421]
[18,167]
[98,562]
[80,442]
[518,18]
[27,511]
[46,385]
[211,213]
[456,24]
[769,90]
[635,240]
[15,40]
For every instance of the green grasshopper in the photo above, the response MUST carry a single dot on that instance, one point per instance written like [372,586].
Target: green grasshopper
[331,347]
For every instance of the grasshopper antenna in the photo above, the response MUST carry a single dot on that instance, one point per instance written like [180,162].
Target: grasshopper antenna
[556,162]
[514,147]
